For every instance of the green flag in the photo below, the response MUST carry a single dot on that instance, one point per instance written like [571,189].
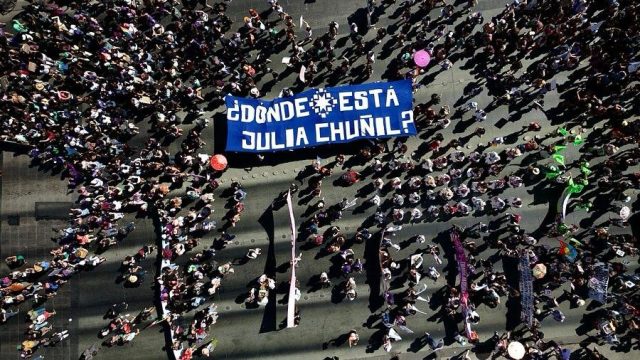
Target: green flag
[562,228]
[578,140]
[551,175]
[559,158]
[576,188]
[563,131]
[559,148]
[573,187]
[17,26]
[585,169]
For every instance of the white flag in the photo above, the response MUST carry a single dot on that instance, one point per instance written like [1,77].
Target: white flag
[596,26]
[633,67]
[303,70]
[301,21]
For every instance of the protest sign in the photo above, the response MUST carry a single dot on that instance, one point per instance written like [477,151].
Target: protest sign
[598,283]
[526,291]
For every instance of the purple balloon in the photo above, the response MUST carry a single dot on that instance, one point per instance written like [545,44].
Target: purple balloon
[421,58]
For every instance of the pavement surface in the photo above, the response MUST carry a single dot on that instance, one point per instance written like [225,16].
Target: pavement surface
[256,333]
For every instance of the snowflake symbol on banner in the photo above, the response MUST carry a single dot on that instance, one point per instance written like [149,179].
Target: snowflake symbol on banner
[322,103]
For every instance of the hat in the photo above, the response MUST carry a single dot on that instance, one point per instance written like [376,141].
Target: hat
[64,95]
[39,85]
[132,279]
[430,180]
[90,75]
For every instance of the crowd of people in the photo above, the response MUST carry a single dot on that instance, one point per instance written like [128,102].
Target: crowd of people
[80,78]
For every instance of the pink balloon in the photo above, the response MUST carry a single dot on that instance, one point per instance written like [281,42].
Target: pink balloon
[421,58]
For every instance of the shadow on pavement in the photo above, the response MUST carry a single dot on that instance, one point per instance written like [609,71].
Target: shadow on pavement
[269,318]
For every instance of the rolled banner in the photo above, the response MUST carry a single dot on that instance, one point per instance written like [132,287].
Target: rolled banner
[563,202]
[291,305]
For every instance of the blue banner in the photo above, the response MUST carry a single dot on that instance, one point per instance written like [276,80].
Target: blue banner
[320,116]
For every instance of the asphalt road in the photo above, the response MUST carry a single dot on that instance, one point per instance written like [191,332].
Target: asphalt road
[254,333]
